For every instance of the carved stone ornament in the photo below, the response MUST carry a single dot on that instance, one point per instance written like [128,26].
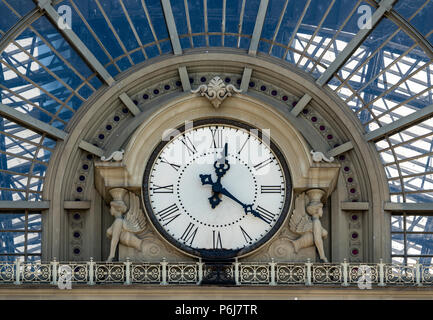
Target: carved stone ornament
[216,91]
[116,156]
[319,157]
[305,222]
[127,227]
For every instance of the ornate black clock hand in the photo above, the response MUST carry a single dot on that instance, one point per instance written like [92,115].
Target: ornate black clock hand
[221,167]
[248,208]
[214,199]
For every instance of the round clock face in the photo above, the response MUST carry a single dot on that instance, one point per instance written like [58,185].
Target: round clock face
[217,189]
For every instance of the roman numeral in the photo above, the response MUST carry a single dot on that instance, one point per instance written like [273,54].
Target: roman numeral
[217,138]
[189,234]
[243,146]
[173,165]
[263,164]
[217,243]
[189,145]
[270,189]
[266,214]
[162,189]
[169,213]
[246,235]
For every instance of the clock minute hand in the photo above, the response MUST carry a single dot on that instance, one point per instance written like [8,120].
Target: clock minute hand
[228,194]
[248,208]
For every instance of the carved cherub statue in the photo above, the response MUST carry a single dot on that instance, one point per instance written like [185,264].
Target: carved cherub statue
[127,226]
[305,221]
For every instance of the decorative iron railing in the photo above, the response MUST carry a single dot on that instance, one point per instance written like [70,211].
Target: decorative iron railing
[193,273]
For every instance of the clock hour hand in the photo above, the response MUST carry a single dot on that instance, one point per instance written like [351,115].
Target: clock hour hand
[221,167]
[206,179]
[214,199]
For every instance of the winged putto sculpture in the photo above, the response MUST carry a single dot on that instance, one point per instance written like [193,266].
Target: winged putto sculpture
[127,227]
[305,221]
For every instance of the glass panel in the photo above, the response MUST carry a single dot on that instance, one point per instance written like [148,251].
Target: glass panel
[397,243]
[419,244]
[273,14]
[178,8]
[196,15]
[8,18]
[36,258]
[34,242]
[422,21]
[22,7]
[214,15]
[45,29]
[12,221]
[35,222]
[396,260]
[419,223]
[233,16]
[97,22]
[12,242]
[250,15]
[397,224]
[408,8]
[157,18]
[426,261]
[421,197]
[19,148]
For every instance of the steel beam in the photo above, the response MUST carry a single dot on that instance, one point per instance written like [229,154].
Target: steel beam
[129,104]
[75,41]
[409,207]
[91,148]
[246,77]
[260,19]
[305,100]
[184,78]
[340,149]
[31,122]
[401,124]
[171,25]
[355,43]
[23,205]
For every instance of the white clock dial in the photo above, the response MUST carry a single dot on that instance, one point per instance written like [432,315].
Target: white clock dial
[217,189]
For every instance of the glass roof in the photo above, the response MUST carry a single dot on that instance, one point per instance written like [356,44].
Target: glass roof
[386,79]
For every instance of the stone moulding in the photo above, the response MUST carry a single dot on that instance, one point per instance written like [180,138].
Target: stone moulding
[216,91]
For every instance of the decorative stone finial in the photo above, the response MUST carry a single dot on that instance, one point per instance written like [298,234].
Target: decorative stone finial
[116,156]
[216,91]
